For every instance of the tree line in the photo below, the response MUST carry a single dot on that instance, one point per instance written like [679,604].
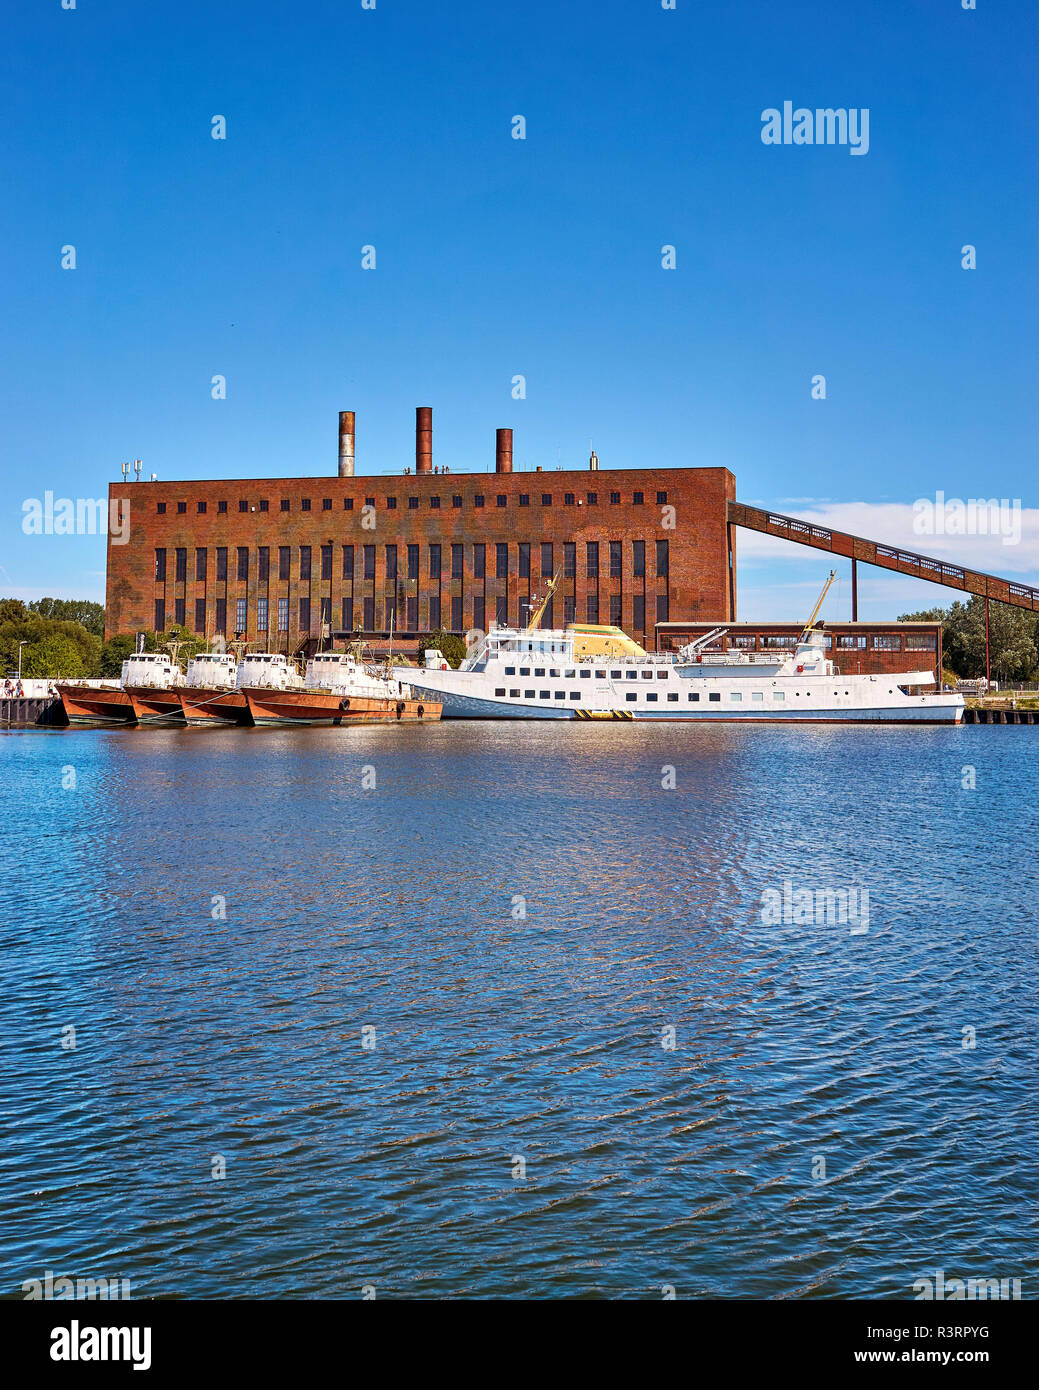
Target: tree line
[1013,639]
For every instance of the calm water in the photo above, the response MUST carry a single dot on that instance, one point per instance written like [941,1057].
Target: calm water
[503,1040]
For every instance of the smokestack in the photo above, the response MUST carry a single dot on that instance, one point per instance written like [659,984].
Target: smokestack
[503,451]
[593,462]
[424,439]
[346,444]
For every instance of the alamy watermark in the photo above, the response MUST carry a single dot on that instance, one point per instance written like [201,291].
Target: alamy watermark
[49,1288]
[816,907]
[79,516]
[977,516]
[941,1289]
[829,125]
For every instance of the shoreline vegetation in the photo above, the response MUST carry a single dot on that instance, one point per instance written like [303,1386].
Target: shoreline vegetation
[64,638]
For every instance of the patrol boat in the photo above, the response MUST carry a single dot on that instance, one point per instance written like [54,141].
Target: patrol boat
[338,689]
[587,671]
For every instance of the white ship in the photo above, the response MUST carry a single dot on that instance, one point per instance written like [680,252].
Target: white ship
[590,672]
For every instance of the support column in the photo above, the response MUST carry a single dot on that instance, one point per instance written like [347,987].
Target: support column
[854,590]
[988,664]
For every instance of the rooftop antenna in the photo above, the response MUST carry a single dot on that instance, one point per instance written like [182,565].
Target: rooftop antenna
[125,467]
[137,469]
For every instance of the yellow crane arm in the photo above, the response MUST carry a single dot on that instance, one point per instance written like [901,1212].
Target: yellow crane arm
[819,604]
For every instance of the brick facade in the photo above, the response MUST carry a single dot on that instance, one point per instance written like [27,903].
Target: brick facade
[207,554]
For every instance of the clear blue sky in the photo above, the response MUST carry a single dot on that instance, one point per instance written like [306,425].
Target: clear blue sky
[542,257]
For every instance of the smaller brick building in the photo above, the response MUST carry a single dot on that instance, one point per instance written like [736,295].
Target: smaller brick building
[868,649]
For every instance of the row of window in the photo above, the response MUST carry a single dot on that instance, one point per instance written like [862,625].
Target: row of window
[457,500]
[846,641]
[379,617]
[547,557]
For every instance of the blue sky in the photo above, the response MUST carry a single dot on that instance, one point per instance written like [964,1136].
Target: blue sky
[541,257]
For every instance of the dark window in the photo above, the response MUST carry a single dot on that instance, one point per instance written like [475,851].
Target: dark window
[221,562]
[456,501]
[412,562]
[412,613]
[243,562]
[593,559]
[369,501]
[434,561]
[456,570]
[502,499]
[348,562]
[264,504]
[243,505]
[592,611]
[160,507]
[304,562]
[263,562]
[305,506]
[221,615]
[662,559]
[434,613]
[615,498]
[637,499]
[661,499]
[434,503]
[284,561]
[456,614]
[202,509]
[569,609]
[181,572]
[524,499]
[160,565]
[326,610]
[348,614]
[369,564]
[638,559]
[638,613]
[182,508]
[391,504]
[200,563]
[479,565]
[326,506]
[631,696]
[615,610]
[369,614]
[390,615]
[593,499]
[501,610]
[285,504]
[326,562]
[160,615]
[569,559]
[413,504]
[546,499]
[478,611]
[221,506]
[200,615]
[391,562]
[304,615]
[478,500]
[714,697]
[615,559]
[662,608]
[568,499]
[501,560]
[546,560]
[348,504]
[524,560]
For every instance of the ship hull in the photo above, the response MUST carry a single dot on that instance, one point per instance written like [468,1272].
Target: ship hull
[916,710]
[155,705]
[95,705]
[202,706]
[304,707]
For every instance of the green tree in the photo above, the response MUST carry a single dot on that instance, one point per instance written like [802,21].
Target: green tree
[452,646]
[113,654]
[1012,638]
[72,610]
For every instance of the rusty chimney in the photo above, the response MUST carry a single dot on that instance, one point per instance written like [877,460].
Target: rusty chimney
[424,439]
[503,451]
[346,444]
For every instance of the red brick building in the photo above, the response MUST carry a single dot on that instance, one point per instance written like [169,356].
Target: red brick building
[275,559]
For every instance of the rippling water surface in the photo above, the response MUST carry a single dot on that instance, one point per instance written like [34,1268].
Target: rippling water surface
[520,1126]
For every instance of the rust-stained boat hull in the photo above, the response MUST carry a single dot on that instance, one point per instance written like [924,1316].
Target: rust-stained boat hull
[154,705]
[201,705]
[85,704]
[316,707]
